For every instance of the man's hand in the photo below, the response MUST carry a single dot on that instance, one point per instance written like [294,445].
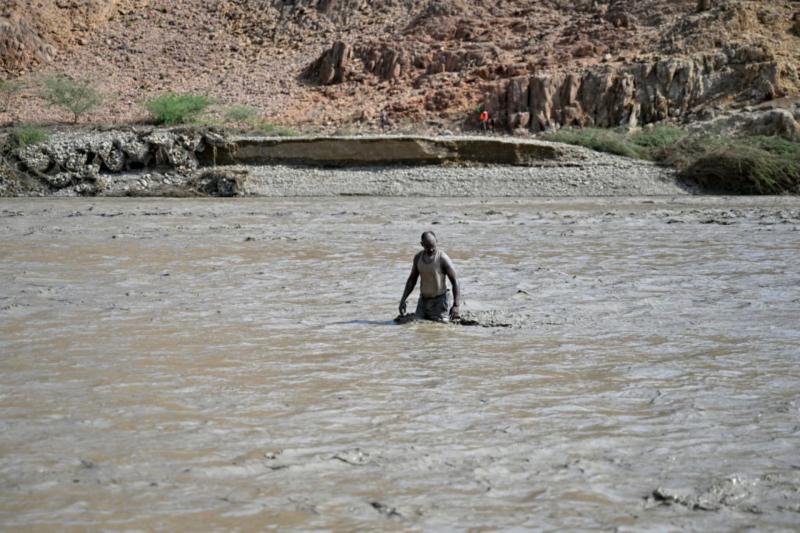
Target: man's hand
[454,314]
[402,308]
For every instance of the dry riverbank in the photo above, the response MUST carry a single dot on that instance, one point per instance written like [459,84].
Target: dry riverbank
[192,162]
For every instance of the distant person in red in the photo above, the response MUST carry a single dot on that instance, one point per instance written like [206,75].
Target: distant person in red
[484,118]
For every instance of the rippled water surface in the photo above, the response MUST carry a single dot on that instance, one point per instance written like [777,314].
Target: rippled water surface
[207,364]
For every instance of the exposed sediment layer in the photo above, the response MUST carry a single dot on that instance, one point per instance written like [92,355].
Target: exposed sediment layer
[381,150]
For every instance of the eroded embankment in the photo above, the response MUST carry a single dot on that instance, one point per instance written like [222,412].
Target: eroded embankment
[189,162]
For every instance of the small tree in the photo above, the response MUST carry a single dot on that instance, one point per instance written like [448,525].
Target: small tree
[76,96]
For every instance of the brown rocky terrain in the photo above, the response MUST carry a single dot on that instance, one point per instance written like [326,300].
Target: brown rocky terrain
[356,65]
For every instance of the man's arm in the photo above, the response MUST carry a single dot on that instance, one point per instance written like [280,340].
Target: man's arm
[410,284]
[451,275]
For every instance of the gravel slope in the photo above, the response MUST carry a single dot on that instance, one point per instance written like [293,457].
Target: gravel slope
[590,174]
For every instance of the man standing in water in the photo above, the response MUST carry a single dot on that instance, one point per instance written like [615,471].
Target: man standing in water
[432,265]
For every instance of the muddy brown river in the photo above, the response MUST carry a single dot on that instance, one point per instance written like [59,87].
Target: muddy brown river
[232,365]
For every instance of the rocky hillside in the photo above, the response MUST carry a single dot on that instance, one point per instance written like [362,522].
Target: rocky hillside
[358,65]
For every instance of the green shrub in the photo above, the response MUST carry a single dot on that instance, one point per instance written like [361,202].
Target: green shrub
[746,165]
[345,130]
[598,139]
[718,163]
[272,129]
[76,96]
[174,108]
[644,144]
[658,138]
[779,146]
[241,114]
[28,134]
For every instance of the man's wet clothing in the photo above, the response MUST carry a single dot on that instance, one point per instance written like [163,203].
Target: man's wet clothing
[431,274]
[436,308]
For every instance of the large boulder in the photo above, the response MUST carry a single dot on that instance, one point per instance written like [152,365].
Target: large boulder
[218,183]
[35,159]
[778,122]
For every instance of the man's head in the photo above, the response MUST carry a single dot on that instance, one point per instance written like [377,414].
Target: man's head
[428,241]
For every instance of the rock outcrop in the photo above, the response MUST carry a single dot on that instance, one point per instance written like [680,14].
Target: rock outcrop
[80,161]
[218,183]
[705,55]
[332,65]
[30,35]
[21,47]
[343,62]
[637,93]
[770,121]
[382,65]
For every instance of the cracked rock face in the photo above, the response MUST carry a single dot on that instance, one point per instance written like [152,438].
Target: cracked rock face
[112,156]
[77,160]
[778,122]
[71,159]
[35,158]
[135,150]
[634,94]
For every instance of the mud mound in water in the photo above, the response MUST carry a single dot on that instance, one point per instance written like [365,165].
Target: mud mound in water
[489,319]
[486,319]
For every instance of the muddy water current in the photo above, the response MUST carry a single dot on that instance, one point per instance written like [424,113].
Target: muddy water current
[215,365]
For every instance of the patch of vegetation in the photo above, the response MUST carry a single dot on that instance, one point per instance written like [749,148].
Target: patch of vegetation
[206,121]
[598,139]
[171,108]
[346,130]
[652,140]
[644,144]
[241,115]
[747,165]
[28,134]
[76,96]
[8,88]
[736,165]
[277,131]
